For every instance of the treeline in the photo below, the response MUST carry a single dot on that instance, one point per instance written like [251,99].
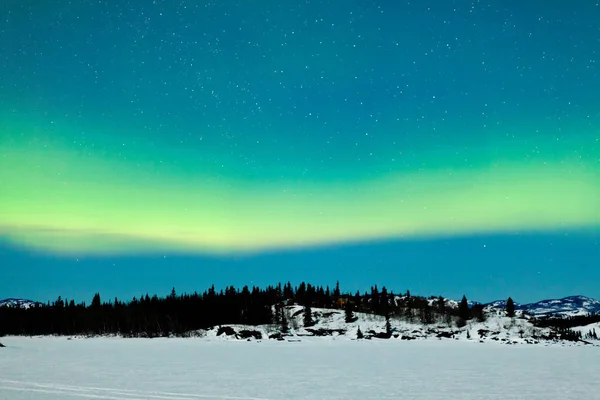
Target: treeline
[567,322]
[177,314]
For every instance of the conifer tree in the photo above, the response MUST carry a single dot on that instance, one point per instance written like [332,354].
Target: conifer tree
[510,307]
[388,325]
[349,312]
[336,291]
[357,300]
[441,305]
[308,321]
[384,301]
[408,312]
[277,316]
[478,311]
[463,309]
[374,299]
[95,301]
[359,334]
[284,323]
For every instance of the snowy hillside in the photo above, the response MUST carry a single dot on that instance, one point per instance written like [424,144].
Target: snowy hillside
[490,324]
[330,324]
[589,329]
[565,307]
[22,303]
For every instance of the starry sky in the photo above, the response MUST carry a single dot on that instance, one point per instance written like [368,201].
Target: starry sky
[443,147]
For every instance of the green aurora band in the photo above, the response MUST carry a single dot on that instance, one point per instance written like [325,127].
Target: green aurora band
[67,198]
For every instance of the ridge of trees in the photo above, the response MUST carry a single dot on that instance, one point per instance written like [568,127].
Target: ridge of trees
[178,314]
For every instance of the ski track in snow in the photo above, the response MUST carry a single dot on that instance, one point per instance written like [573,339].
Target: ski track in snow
[107,393]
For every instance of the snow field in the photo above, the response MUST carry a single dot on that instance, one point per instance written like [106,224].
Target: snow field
[52,368]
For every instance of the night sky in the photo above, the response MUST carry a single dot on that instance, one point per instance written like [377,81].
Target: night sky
[446,147]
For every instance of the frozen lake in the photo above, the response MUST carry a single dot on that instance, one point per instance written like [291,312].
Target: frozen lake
[192,369]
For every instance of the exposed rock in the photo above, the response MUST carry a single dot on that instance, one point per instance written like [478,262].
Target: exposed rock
[325,332]
[247,334]
[227,330]
[1,345]
[382,335]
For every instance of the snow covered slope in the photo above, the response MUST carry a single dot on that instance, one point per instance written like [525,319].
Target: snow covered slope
[586,330]
[566,307]
[330,325]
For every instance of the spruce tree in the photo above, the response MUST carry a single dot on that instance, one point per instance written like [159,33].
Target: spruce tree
[96,303]
[357,300]
[308,321]
[336,291]
[374,299]
[359,334]
[478,311]
[441,305]
[463,309]
[278,313]
[510,307]
[349,312]
[284,323]
[408,312]
[384,301]
[388,325]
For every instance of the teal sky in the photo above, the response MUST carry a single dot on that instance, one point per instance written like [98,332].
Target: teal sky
[142,131]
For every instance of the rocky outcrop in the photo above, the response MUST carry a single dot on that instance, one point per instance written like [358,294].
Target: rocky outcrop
[247,334]
[227,330]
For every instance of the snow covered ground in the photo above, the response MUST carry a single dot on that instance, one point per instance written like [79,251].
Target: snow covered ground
[52,368]
[496,328]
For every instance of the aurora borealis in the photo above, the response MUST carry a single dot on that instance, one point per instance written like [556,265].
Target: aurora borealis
[230,129]
[74,201]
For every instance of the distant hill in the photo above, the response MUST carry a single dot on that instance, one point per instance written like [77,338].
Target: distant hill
[21,303]
[566,307]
